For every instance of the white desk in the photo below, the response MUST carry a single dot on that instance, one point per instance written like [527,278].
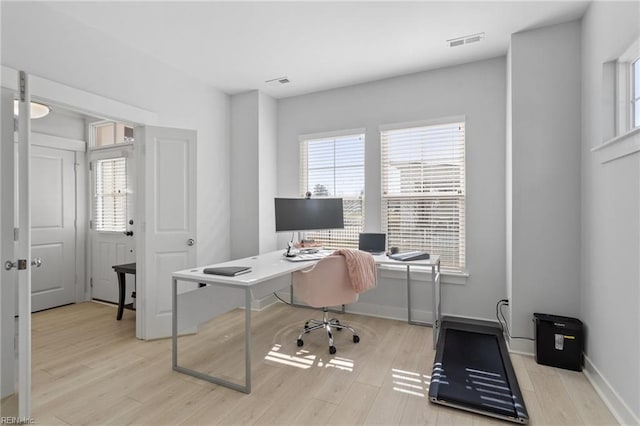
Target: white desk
[226,293]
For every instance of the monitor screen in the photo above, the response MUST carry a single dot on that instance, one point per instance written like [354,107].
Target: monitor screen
[308,214]
[371,242]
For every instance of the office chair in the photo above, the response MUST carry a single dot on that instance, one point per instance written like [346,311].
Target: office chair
[326,283]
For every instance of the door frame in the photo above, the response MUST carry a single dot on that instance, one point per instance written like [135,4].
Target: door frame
[115,151]
[83,102]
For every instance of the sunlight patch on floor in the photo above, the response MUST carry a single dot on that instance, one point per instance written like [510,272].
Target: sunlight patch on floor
[304,360]
[300,359]
[410,382]
[340,364]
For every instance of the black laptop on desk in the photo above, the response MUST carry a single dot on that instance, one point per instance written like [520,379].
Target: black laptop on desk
[372,243]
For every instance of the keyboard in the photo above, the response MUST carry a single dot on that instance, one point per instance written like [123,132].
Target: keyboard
[302,257]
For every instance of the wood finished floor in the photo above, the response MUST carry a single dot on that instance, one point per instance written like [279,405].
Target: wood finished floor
[89,369]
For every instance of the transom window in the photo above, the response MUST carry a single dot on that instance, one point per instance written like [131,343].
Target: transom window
[334,167]
[108,133]
[423,190]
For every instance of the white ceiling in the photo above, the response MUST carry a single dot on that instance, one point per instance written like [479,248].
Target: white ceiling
[237,46]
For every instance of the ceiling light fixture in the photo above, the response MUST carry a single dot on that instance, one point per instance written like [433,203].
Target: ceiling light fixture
[473,38]
[38,110]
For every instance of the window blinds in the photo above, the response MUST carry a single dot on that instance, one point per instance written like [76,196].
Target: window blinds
[423,190]
[111,195]
[334,167]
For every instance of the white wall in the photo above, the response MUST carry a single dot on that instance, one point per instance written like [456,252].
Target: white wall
[545,176]
[477,90]
[244,174]
[43,42]
[253,173]
[610,298]
[268,172]
[60,124]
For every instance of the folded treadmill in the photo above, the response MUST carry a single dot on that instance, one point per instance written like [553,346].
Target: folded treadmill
[472,371]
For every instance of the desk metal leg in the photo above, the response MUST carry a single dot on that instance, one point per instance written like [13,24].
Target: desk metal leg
[174,324]
[247,341]
[437,313]
[410,320]
[197,374]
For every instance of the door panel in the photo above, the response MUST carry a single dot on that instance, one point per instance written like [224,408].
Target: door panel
[8,295]
[169,208]
[15,195]
[112,248]
[52,227]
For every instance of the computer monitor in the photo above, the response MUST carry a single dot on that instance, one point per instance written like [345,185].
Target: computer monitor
[308,214]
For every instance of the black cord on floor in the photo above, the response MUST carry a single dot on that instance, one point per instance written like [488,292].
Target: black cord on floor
[280,299]
[501,317]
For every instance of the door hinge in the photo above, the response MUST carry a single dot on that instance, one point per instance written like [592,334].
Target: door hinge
[91,282]
[15,125]
[90,165]
[16,234]
[90,224]
[23,86]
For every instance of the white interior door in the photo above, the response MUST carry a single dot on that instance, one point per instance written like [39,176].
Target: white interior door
[53,231]
[110,246]
[167,241]
[15,252]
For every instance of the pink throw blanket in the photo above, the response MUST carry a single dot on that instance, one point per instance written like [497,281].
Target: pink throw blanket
[361,268]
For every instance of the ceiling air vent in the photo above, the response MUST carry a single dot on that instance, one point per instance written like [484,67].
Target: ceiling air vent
[278,81]
[473,38]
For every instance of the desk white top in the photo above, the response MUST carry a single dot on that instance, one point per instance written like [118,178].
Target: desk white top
[271,265]
[263,267]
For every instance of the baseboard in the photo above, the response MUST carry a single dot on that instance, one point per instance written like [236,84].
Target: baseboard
[265,302]
[620,410]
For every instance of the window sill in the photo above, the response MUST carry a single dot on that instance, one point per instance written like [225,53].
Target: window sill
[422,274]
[618,147]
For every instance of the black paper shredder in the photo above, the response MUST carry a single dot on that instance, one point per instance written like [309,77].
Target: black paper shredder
[559,341]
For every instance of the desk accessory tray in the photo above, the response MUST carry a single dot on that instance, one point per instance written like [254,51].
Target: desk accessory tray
[410,255]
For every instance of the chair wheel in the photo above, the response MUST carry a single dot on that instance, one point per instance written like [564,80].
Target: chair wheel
[356,338]
[300,343]
[332,350]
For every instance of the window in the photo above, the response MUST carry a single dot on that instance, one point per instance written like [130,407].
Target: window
[423,190]
[111,195]
[635,97]
[334,167]
[108,133]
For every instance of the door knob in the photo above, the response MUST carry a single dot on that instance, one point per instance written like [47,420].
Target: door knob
[191,242]
[9,265]
[36,261]
[128,233]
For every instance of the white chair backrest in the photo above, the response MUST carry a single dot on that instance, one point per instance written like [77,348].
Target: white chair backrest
[326,283]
